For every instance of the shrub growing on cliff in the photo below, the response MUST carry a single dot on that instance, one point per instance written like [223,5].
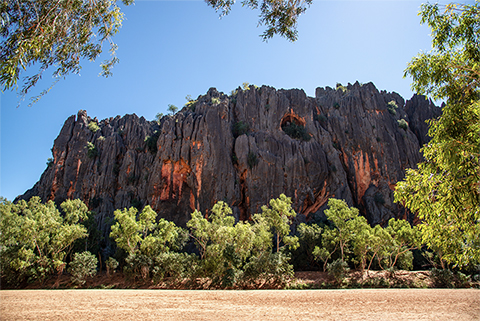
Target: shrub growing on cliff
[172,109]
[240,128]
[49,161]
[296,131]
[392,107]
[252,159]
[92,150]
[402,123]
[93,126]
[151,142]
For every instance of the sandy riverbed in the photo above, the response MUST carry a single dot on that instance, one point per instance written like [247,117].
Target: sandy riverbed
[369,304]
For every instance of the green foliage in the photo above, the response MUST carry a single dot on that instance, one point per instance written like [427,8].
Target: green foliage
[215,101]
[82,266]
[172,109]
[343,219]
[321,118]
[278,216]
[191,103]
[341,88]
[240,128]
[158,117]
[278,16]
[442,278]
[296,131]
[94,237]
[338,269]
[111,265]
[404,239]
[151,142]
[309,236]
[402,123]
[444,190]
[240,254]
[55,34]
[174,266]
[50,162]
[36,237]
[451,70]
[143,238]
[141,233]
[223,246]
[392,107]
[92,150]
[234,158]
[336,105]
[252,159]
[93,127]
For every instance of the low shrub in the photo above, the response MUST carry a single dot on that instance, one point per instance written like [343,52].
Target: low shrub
[111,264]
[92,150]
[341,88]
[392,107]
[151,142]
[321,118]
[240,128]
[338,269]
[82,266]
[93,126]
[252,159]
[442,278]
[402,123]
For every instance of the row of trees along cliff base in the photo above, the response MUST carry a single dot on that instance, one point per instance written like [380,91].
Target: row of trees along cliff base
[39,242]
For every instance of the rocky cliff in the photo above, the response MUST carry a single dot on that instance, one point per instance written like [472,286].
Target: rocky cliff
[351,142]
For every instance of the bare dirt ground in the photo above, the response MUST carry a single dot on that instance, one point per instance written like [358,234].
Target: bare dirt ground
[366,304]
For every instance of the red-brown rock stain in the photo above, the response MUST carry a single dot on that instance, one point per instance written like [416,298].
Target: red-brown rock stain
[174,175]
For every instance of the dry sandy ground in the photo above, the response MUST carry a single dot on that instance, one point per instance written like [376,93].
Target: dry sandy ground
[370,304]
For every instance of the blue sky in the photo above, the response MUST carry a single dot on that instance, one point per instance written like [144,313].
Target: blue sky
[170,49]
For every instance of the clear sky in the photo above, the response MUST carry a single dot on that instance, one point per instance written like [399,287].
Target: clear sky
[170,49]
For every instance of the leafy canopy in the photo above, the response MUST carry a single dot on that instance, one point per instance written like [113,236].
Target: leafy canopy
[59,34]
[142,234]
[279,16]
[35,238]
[278,216]
[445,189]
[54,33]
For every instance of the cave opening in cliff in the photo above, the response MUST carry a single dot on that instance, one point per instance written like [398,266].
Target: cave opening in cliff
[294,126]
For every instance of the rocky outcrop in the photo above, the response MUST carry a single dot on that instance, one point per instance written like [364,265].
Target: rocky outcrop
[351,143]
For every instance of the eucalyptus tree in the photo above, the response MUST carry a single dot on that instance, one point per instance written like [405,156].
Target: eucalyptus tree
[60,34]
[445,189]
[35,238]
[57,34]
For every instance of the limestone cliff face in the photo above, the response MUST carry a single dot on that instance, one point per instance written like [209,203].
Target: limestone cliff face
[235,149]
